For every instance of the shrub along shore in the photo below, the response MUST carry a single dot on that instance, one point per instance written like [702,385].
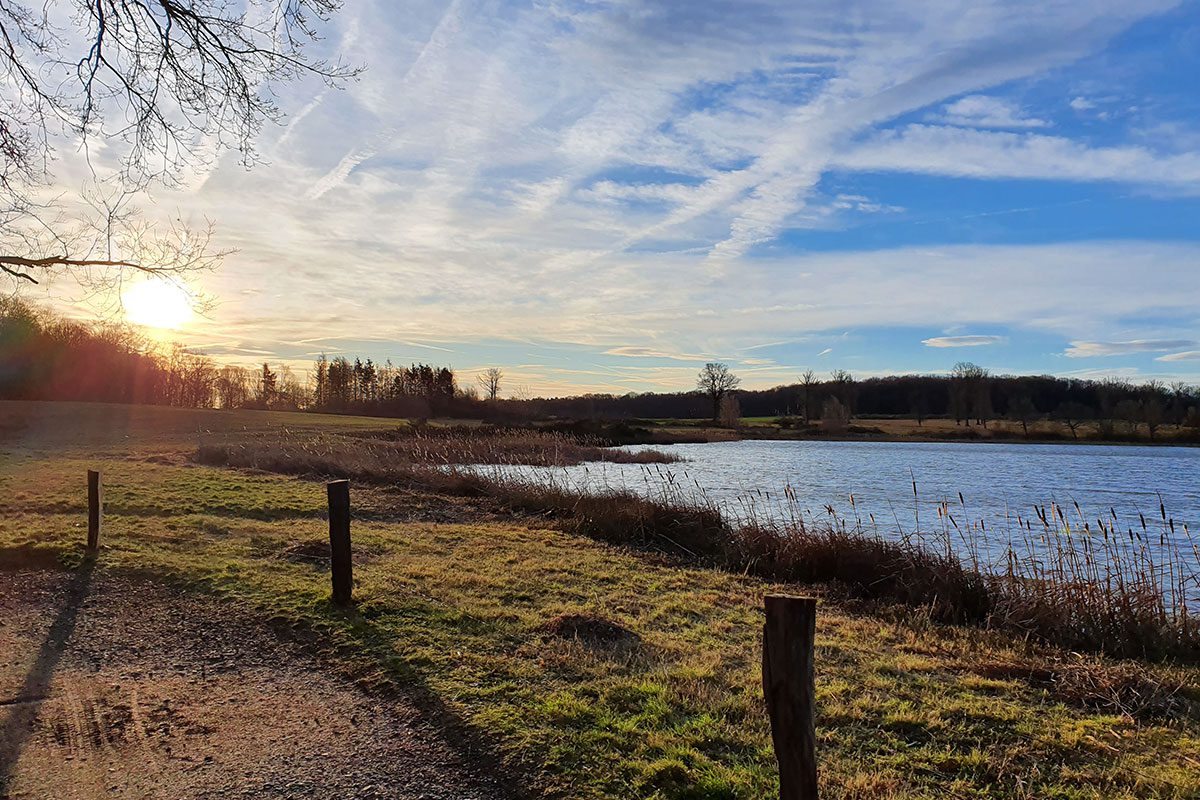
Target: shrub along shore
[1107,593]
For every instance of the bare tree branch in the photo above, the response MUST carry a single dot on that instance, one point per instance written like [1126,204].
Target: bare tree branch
[173,82]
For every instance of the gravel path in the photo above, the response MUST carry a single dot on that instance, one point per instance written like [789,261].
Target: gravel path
[114,687]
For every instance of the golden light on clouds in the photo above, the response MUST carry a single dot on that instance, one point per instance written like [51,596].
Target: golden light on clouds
[156,303]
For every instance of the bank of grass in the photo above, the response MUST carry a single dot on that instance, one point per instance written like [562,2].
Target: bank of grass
[376,453]
[1098,592]
[465,615]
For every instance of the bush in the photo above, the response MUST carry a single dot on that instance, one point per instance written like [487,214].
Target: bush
[834,416]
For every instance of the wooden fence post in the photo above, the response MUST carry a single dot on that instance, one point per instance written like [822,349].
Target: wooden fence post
[339,540]
[788,688]
[95,504]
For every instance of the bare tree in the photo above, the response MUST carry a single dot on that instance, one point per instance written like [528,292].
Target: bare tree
[166,84]
[1129,411]
[1072,414]
[1180,394]
[808,384]
[489,381]
[1022,410]
[1153,406]
[731,411]
[917,404]
[290,392]
[715,381]
[970,393]
[233,387]
[844,388]
[1108,395]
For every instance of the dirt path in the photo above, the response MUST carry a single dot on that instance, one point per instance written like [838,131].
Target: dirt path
[115,687]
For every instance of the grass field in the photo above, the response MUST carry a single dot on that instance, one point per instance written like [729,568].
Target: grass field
[465,607]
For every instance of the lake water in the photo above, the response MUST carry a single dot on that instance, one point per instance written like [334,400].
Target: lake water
[998,482]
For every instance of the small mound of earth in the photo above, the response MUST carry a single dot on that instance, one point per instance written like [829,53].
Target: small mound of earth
[316,552]
[590,630]
[313,551]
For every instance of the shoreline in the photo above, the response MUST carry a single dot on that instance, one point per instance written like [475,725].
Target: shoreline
[701,435]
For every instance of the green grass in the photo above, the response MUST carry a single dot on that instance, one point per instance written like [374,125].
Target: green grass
[456,612]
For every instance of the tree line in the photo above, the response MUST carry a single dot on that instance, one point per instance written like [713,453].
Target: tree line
[970,395]
[364,387]
[47,357]
[44,356]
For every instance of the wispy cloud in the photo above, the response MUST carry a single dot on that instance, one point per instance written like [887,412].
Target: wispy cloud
[962,341]
[620,177]
[981,111]
[651,352]
[1186,355]
[1131,347]
[959,152]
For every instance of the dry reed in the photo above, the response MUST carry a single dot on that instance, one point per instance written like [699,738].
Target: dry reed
[1052,576]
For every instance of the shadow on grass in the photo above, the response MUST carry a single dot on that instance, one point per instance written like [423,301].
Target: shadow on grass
[356,648]
[368,640]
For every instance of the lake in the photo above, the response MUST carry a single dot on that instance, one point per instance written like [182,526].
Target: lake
[998,482]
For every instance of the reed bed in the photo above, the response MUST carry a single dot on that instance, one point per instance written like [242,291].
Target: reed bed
[377,454]
[1053,575]
[1127,586]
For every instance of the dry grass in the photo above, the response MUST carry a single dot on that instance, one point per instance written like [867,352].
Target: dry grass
[380,454]
[495,618]
[1125,688]
[1112,593]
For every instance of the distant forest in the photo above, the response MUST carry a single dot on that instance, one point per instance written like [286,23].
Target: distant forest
[45,357]
[968,394]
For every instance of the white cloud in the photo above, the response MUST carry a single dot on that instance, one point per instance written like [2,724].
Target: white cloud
[658,192]
[651,352]
[1082,104]
[958,152]
[962,341]
[863,205]
[1186,355]
[1080,349]
[982,111]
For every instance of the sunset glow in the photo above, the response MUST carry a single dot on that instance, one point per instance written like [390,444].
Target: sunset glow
[157,303]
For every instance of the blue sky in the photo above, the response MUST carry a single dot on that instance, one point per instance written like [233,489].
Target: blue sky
[601,196]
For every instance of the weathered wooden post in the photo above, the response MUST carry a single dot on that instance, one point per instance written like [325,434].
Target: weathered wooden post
[339,540]
[788,688]
[95,504]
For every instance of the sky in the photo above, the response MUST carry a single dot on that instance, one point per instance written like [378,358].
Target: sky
[602,196]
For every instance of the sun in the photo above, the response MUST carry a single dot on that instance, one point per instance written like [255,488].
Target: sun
[156,303]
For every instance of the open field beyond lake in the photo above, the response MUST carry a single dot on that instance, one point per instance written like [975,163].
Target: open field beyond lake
[937,429]
[513,650]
